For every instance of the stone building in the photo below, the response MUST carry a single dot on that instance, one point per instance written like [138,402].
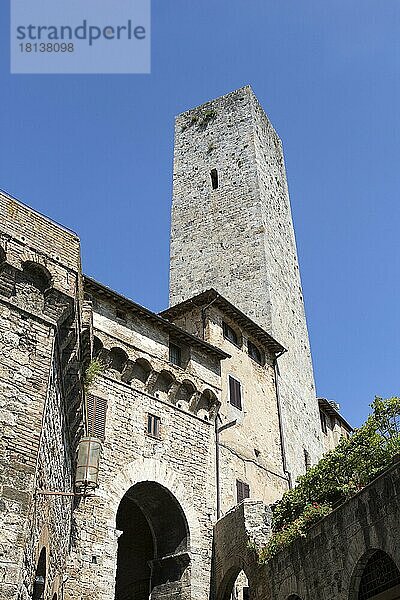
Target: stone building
[140,451]
[334,426]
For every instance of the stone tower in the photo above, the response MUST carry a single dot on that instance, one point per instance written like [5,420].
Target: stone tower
[232,230]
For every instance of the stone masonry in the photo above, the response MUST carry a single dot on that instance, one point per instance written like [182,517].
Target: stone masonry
[40,393]
[328,564]
[232,230]
[140,452]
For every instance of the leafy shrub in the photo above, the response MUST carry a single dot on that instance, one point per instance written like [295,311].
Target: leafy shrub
[339,474]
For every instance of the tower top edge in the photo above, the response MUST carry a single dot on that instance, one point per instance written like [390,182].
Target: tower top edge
[240,97]
[246,89]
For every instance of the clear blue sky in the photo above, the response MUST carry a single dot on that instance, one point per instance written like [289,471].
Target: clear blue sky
[95,153]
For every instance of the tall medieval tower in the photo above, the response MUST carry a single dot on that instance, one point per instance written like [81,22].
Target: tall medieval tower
[232,231]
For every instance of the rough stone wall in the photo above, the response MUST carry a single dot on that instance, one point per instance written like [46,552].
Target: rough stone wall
[51,515]
[300,412]
[236,535]
[40,405]
[250,451]
[26,351]
[239,239]
[325,565]
[182,460]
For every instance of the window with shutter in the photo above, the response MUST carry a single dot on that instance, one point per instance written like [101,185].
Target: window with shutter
[242,491]
[235,393]
[96,416]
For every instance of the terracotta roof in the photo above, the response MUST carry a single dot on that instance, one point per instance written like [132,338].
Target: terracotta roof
[90,285]
[211,296]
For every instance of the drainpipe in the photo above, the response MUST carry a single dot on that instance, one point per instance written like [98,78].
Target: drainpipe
[217,432]
[203,314]
[281,428]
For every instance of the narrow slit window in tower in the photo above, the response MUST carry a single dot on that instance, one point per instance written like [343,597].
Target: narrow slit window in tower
[214,179]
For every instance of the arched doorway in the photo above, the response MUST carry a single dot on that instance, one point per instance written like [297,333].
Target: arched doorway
[153,548]
[240,588]
[234,586]
[377,578]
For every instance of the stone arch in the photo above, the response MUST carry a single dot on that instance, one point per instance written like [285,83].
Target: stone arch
[184,394]
[117,360]
[293,597]
[153,545]
[207,404]
[97,347]
[38,275]
[163,384]
[233,580]
[31,284]
[138,371]
[375,573]
[235,535]
[147,470]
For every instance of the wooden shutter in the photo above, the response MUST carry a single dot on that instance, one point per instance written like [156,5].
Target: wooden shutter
[235,393]
[96,416]
[242,490]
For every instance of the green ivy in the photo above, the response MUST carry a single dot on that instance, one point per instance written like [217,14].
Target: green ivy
[94,369]
[339,474]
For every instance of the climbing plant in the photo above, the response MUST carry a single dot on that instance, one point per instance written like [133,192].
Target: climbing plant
[338,475]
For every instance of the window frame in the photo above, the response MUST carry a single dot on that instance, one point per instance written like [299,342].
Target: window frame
[171,349]
[255,353]
[234,339]
[214,179]
[236,404]
[153,426]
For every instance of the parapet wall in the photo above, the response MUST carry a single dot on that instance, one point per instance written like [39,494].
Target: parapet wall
[324,565]
[328,563]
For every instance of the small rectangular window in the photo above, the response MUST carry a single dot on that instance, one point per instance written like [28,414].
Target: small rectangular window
[235,393]
[230,334]
[242,491]
[214,179]
[175,354]
[153,425]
